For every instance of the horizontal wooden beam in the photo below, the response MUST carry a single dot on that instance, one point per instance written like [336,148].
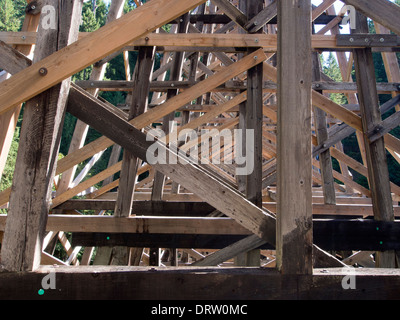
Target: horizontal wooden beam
[330,235]
[141,224]
[266,41]
[198,283]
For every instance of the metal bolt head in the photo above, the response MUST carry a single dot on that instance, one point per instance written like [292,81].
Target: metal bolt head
[42,71]
[382,40]
[351,39]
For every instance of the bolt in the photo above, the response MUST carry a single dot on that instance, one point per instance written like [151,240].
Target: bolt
[33,7]
[42,71]
[382,40]
[351,39]
[255,23]
[147,39]
[92,84]
[366,40]
[23,37]
[255,57]
[256,40]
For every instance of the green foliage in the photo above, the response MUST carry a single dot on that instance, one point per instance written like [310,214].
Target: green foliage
[9,15]
[331,69]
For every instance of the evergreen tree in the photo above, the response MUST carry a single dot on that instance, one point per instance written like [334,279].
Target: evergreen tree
[9,20]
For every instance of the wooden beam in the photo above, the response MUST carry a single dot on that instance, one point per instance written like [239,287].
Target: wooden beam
[378,173]
[140,224]
[211,42]
[90,49]
[138,106]
[232,12]
[199,283]
[294,211]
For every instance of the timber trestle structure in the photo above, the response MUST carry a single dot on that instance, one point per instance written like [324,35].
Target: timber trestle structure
[261,217]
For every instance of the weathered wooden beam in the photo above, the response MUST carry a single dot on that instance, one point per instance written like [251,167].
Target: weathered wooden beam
[232,12]
[321,131]
[262,18]
[378,173]
[11,60]
[330,235]
[227,42]
[199,283]
[95,46]
[294,210]
[38,151]
[138,105]
[140,224]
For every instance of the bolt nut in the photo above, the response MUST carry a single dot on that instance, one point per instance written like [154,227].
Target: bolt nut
[351,39]
[255,57]
[382,40]
[42,71]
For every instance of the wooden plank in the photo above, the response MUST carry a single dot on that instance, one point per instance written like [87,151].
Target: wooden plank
[138,105]
[330,235]
[142,224]
[200,283]
[95,46]
[38,151]
[262,18]
[232,12]
[378,173]
[322,134]
[294,210]
[204,185]
[11,60]
[211,42]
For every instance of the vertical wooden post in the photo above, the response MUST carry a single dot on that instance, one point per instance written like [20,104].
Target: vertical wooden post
[251,118]
[321,131]
[294,205]
[176,70]
[378,172]
[39,143]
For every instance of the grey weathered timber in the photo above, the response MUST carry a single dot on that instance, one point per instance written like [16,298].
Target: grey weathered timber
[378,172]
[232,12]
[262,18]
[321,131]
[12,60]
[38,151]
[138,106]
[294,208]
[200,283]
[175,74]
